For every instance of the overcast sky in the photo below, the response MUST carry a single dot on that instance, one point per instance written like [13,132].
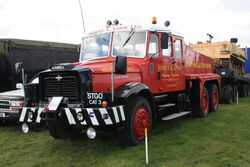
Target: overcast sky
[60,20]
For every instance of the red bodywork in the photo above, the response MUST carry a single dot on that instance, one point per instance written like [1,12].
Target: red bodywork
[158,73]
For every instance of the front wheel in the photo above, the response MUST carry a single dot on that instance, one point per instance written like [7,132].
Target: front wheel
[139,117]
[60,129]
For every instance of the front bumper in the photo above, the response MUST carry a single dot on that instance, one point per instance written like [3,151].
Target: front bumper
[91,116]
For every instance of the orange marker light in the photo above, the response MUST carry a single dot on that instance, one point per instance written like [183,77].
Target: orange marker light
[14,108]
[104,104]
[21,103]
[154,20]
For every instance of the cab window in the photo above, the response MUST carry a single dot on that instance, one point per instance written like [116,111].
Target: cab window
[153,46]
[178,49]
[167,52]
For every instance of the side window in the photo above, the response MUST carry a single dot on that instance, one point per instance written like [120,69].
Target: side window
[153,45]
[167,52]
[178,49]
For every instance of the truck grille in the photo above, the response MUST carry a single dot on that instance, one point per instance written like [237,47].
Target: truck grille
[67,87]
[4,104]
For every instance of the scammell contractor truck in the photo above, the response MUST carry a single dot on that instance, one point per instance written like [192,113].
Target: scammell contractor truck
[126,78]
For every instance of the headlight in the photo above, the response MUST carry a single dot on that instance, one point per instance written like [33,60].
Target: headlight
[80,116]
[91,133]
[30,115]
[25,128]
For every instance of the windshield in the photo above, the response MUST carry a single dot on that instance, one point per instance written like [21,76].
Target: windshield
[129,44]
[95,47]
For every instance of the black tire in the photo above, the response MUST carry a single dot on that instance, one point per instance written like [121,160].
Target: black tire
[222,94]
[245,93]
[235,90]
[243,90]
[248,90]
[60,128]
[133,131]
[213,93]
[201,109]
[57,130]
[228,94]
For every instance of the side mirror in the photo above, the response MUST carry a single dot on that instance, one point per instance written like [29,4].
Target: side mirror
[164,41]
[19,86]
[121,65]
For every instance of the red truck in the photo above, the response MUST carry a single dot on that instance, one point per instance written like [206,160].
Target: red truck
[127,77]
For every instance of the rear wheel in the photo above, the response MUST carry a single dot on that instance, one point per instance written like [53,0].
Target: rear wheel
[213,93]
[139,117]
[228,94]
[245,90]
[235,90]
[201,109]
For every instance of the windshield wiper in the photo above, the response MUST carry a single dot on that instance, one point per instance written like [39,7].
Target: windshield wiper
[131,33]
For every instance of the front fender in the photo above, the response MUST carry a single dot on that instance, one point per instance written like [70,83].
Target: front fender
[132,90]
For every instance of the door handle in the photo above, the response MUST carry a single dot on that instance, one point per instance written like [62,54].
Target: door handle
[173,61]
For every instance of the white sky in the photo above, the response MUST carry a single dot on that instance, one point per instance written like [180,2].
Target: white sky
[60,20]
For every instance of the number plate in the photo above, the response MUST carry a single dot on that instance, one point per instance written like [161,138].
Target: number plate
[2,114]
[95,98]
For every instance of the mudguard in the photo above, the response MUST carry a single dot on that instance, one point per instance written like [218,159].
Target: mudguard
[134,89]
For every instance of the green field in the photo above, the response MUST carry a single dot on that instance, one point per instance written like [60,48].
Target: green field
[220,140]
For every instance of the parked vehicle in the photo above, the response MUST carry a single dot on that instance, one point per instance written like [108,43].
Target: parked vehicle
[11,101]
[35,56]
[228,62]
[126,77]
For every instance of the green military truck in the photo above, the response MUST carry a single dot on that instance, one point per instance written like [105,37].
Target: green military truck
[35,56]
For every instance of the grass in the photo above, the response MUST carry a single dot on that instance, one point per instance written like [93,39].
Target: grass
[220,140]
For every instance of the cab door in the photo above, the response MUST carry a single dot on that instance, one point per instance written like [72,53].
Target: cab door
[172,67]
[155,59]
[179,64]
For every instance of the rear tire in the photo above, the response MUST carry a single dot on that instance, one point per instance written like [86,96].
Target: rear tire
[139,116]
[228,94]
[201,109]
[213,93]
[235,90]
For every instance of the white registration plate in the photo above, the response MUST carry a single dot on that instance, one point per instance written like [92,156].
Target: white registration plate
[2,114]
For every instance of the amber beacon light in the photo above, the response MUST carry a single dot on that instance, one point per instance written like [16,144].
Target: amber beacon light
[154,20]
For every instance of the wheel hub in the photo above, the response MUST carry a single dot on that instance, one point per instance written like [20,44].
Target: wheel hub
[141,121]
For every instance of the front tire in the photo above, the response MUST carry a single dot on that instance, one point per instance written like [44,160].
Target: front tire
[139,117]
[60,129]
